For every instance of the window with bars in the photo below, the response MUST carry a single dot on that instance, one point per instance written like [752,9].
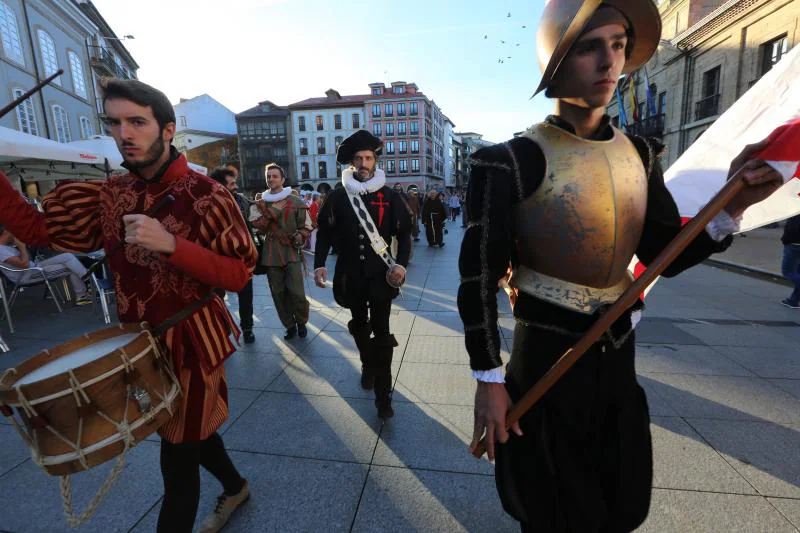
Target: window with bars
[403,147]
[389,128]
[303,144]
[401,128]
[9,34]
[337,122]
[87,129]
[78,80]
[301,123]
[390,166]
[403,165]
[320,123]
[415,165]
[26,114]
[389,147]
[414,147]
[356,121]
[47,48]
[376,110]
[61,121]
[321,145]
[401,110]
[415,128]
[414,108]
[376,129]
[389,110]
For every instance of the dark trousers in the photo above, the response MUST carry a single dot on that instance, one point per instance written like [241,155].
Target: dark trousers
[584,462]
[791,269]
[246,306]
[370,306]
[180,468]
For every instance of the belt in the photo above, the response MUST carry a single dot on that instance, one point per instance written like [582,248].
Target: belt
[572,296]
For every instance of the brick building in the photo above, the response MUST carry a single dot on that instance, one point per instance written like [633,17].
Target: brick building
[413,131]
[712,52]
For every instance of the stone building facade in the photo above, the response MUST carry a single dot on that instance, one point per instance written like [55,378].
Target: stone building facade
[711,53]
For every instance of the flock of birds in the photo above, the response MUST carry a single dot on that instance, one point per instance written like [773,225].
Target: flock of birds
[503,59]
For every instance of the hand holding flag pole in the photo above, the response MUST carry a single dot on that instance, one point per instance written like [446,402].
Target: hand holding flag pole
[753,181]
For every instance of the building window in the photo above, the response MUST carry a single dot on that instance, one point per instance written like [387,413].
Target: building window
[389,108]
[414,147]
[376,129]
[390,166]
[708,106]
[376,110]
[401,128]
[381,165]
[321,145]
[337,122]
[415,165]
[356,121]
[47,47]
[376,91]
[414,109]
[320,124]
[389,128]
[26,115]
[76,67]
[403,166]
[304,171]
[401,110]
[415,128]
[338,142]
[772,52]
[323,170]
[182,121]
[399,89]
[301,123]
[662,103]
[390,147]
[61,122]
[9,33]
[87,129]
[303,142]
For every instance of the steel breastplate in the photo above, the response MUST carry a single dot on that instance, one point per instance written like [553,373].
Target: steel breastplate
[583,223]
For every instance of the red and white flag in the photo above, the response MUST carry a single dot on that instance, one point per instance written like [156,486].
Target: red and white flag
[770,109]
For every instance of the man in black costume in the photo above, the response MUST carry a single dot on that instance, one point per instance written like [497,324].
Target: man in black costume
[363,216]
[566,206]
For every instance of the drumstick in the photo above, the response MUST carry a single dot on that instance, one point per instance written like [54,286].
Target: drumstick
[168,199]
[38,87]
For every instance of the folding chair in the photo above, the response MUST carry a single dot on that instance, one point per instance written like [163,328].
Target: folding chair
[101,289]
[29,277]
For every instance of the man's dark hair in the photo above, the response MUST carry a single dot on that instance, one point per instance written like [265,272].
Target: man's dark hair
[272,166]
[141,94]
[220,174]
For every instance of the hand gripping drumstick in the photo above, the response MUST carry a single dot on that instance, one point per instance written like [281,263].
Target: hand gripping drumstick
[628,298]
[168,199]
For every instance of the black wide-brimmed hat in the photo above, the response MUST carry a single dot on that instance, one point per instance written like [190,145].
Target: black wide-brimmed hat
[563,22]
[360,140]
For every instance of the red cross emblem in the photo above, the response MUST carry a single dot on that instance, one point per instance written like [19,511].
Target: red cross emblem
[381,206]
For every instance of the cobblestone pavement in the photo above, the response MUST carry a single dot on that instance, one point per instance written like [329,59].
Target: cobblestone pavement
[718,357]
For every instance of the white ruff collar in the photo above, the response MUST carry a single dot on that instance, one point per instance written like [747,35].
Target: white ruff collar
[354,186]
[269,197]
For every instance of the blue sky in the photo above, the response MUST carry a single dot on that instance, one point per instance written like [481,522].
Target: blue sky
[289,50]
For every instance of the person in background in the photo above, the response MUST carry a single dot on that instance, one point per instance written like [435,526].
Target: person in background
[791,260]
[455,205]
[228,176]
[14,253]
[433,217]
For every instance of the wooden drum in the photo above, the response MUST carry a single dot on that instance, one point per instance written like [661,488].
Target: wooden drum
[90,399]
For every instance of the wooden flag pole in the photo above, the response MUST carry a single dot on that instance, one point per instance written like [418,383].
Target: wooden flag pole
[628,298]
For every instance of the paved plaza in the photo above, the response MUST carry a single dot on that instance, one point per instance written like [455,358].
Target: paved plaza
[718,357]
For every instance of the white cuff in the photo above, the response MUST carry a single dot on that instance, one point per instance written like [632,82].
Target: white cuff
[723,225]
[320,268]
[495,375]
[398,265]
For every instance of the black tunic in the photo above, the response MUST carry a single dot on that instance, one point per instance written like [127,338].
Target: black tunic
[584,462]
[357,261]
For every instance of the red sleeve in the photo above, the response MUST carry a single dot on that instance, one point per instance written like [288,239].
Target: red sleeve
[21,218]
[224,255]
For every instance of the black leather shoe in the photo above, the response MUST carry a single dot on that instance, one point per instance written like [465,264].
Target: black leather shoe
[302,331]
[385,411]
[249,338]
[290,332]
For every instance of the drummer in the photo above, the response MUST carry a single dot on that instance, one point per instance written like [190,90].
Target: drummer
[168,264]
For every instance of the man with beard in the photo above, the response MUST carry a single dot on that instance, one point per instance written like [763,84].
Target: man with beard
[282,217]
[566,205]
[433,217]
[363,216]
[228,176]
[165,272]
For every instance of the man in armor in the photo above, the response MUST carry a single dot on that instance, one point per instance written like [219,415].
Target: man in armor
[564,208]
[363,216]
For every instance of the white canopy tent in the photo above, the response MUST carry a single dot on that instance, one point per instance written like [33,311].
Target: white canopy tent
[107,148]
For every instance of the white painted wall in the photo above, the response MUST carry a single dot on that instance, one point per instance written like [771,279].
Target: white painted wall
[203,113]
